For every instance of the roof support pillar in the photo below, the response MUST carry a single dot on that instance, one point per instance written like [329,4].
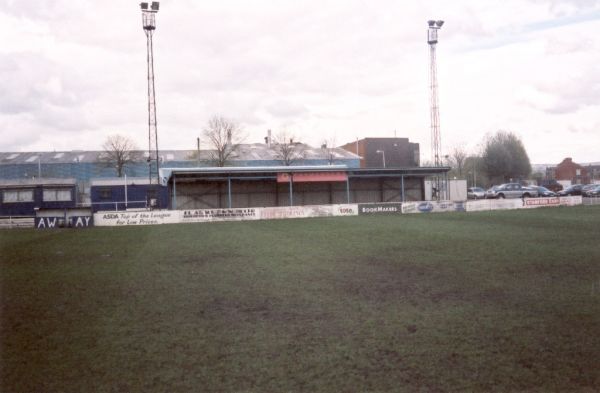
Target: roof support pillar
[348,189]
[229,192]
[174,202]
[291,191]
[402,187]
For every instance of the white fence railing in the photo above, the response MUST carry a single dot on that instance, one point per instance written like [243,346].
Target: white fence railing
[16,222]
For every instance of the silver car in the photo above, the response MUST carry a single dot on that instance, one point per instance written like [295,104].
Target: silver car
[510,190]
[475,193]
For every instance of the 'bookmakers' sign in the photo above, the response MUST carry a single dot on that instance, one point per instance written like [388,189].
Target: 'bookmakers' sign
[379,208]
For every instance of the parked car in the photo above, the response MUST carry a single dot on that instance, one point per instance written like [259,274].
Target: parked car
[544,192]
[475,193]
[552,185]
[510,190]
[587,187]
[574,189]
[592,192]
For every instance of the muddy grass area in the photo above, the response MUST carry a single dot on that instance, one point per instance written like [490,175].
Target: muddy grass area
[446,302]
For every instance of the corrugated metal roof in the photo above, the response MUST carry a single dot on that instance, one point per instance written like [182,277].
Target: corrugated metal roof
[37,182]
[245,152]
[120,181]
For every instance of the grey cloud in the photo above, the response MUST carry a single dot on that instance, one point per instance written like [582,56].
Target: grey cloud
[571,95]
[27,81]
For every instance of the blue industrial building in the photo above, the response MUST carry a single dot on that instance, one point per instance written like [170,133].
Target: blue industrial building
[87,165]
[24,197]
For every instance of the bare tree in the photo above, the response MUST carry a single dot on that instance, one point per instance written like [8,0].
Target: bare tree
[328,147]
[119,151]
[287,150]
[224,136]
[458,155]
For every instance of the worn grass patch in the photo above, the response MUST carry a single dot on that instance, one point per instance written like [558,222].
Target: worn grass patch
[493,301]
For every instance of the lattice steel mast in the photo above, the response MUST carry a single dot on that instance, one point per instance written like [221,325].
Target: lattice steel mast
[149,24]
[436,139]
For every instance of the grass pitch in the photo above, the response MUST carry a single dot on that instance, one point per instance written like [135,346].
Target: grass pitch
[492,301]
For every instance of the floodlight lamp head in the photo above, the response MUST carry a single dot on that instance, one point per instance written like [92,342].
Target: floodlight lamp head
[431,23]
[439,23]
[144,6]
[155,6]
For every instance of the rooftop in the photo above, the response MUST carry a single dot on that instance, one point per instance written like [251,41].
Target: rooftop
[245,152]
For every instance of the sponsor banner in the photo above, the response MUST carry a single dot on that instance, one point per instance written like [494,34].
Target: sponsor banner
[591,201]
[154,217]
[494,204]
[275,213]
[345,210]
[379,208]
[206,215]
[432,207]
[571,200]
[529,203]
[554,201]
[460,206]
[212,215]
[312,177]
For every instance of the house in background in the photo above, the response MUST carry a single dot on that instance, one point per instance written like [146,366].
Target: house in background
[569,171]
[385,152]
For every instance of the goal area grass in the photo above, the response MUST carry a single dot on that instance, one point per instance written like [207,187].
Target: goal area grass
[487,301]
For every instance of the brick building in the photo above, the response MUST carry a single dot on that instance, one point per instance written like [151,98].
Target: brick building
[385,152]
[570,171]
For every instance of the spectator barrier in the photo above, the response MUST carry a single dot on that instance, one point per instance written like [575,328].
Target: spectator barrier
[154,217]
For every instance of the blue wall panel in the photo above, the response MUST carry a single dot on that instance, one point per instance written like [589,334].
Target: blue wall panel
[29,208]
[137,195]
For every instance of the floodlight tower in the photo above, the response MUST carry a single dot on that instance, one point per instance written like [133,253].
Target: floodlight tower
[436,140]
[149,25]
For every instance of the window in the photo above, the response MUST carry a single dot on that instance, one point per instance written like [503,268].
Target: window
[17,196]
[105,193]
[57,195]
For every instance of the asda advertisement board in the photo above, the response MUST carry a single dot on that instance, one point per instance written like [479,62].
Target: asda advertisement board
[154,217]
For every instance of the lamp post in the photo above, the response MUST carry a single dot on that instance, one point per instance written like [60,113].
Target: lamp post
[383,156]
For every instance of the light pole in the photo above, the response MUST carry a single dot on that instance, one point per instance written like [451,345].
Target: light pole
[383,156]
[149,25]
[436,139]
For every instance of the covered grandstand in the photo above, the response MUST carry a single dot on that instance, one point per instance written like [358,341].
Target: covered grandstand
[238,187]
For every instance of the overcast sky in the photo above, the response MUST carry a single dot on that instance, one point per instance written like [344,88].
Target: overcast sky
[74,72]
